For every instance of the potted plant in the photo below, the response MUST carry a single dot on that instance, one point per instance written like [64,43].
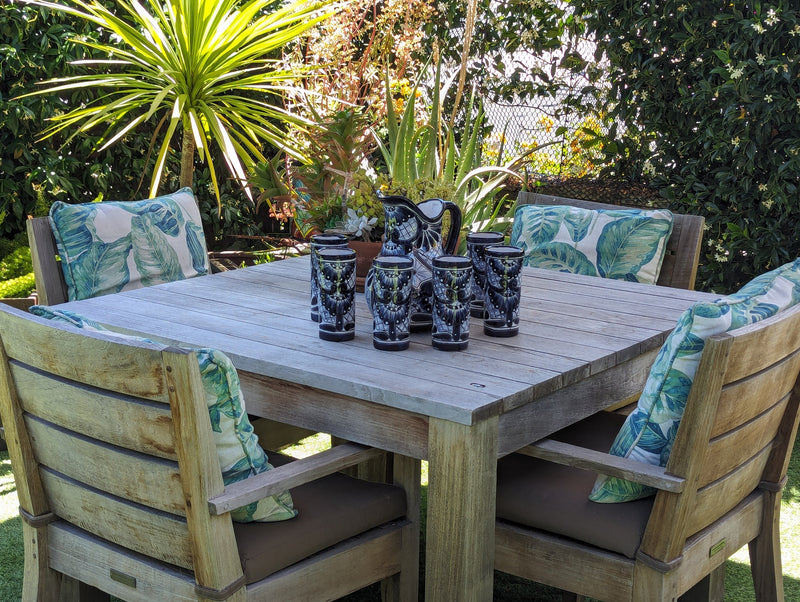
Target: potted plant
[425,162]
[335,189]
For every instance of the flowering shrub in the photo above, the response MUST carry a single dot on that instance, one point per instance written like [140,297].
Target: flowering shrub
[714,89]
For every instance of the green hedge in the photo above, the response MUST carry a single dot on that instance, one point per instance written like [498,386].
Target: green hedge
[709,94]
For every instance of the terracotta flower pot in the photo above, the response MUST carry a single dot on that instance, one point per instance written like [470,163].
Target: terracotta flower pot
[366,251]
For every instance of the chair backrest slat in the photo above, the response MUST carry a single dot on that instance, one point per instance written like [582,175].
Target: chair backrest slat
[679,268]
[132,423]
[137,369]
[720,497]
[136,477]
[157,534]
[728,451]
[742,400]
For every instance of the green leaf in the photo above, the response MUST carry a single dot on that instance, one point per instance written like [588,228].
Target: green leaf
[560,257]
[627,244]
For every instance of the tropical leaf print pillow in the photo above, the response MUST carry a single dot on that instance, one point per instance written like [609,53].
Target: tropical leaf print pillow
[109,247]
[625,244]
[649,432]
[240,456]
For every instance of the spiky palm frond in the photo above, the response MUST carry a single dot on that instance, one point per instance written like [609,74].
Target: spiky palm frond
[205,63]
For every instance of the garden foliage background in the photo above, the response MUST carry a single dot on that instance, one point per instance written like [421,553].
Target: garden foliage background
[699,101]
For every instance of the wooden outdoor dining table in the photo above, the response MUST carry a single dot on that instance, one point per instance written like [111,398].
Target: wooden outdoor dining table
[584,344]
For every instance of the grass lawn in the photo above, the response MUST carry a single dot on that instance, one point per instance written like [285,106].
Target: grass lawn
[738,584]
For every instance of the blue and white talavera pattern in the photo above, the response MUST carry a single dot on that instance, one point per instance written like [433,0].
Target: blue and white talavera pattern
[624,244]
[109,247]
[649,432]
[239,453]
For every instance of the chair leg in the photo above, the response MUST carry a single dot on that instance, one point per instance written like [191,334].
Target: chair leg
[39,582]
[72,589]
[709,589]
[404,587]
[765,552]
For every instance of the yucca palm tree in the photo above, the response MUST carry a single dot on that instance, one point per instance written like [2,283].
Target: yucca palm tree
[201,67]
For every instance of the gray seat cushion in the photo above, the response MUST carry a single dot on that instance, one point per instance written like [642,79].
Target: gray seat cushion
[330,510]
[554,498]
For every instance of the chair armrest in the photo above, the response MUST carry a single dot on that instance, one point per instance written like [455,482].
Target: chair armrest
[290,475]
[607,464]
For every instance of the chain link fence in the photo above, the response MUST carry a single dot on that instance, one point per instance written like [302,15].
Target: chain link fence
[546,122]
[563,165]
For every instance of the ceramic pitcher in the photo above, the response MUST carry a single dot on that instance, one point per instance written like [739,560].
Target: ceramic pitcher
[415,230]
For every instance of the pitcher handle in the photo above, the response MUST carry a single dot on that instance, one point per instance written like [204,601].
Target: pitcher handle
[449,246]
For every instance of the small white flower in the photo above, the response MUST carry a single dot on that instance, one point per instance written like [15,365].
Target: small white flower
[760,58]
[767,203]
[772,17]
[737,72]
[626,46]
[735,141]
[795,31]
[682,8]
[768,98]
[762,187]
[758,27]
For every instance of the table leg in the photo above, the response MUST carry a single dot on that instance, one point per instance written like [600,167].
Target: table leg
[462,477]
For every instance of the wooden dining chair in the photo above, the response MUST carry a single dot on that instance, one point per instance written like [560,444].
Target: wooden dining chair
[720,489]
[51,289]
[679,268]
[120,485]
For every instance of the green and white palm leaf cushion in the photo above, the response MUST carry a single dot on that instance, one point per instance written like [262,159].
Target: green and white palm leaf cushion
[649,432]
[109,247]
[624,244]
[240,456]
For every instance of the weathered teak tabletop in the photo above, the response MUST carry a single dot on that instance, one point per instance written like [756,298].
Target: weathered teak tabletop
[584,344]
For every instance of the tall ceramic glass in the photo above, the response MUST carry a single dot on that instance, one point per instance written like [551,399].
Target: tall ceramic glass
[452,293]
[476,246]
[321,241]
[336,276]
[388,293]
[503,290]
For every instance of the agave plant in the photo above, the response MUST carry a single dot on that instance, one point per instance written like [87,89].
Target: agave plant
[426,158]
[201,67]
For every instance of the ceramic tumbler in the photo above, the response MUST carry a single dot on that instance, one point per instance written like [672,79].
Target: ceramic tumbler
[389,300]
[452,293]
[476,246]
[336,277]
[321,241]
[503,289]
